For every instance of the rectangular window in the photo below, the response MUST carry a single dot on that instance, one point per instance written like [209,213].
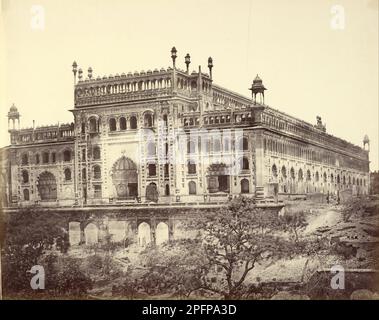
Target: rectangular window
[98,193]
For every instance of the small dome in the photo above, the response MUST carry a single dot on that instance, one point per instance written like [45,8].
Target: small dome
[13,108]
[257,80]
[366,139]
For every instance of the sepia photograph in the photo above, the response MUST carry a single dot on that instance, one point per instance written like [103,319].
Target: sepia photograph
[171,150]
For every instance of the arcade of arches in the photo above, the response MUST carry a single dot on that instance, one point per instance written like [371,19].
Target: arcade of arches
[142,234]
[314,180]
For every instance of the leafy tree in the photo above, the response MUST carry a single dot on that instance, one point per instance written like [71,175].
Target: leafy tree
[230,242]
[294,221]
[357,207]
[28,235]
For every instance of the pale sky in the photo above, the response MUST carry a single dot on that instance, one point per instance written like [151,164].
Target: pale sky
[308,67]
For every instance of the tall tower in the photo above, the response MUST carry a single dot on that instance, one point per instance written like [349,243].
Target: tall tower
[13,115]
[258,88]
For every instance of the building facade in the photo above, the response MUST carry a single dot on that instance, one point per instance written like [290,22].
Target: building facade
[169,136]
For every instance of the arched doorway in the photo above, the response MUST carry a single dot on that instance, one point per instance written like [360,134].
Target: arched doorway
[245,186]
[152,192]
[47,186]
[161,233]
[91,233]
[144,236]
[125,178]
[74,233]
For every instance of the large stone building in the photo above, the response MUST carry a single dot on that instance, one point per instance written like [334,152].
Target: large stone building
[169,136]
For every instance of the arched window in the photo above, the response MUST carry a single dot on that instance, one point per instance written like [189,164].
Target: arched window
[166,170]
[165,120]
[332,178]
[192,187]
[292,173]
[84,155]
[122,123]
[93,125]
[191,167]
[344,180]
[317,177]
[67,174]
[216,145]
[274,171]
[53,157]
[284,172]
[112,124]
[24,159]
[349,180]
[96,172]
[67,155]
[152,169]
[245,186]
[167,190]
[226,145]
[151,149]
[37,159]
[96,153]
[166,148]
[83,127]
[245,163]
[245,144]
[353,180]
[97,191]
[300,175]
[84,174]
[26,194]
[338,178]
[133,122]
[148,120]
[45,157]
[308,175]
[25,176]
[325,177]
[191,147]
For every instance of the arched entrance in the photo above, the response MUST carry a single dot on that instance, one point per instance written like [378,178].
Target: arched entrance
[47,186]
[152,192]
[161,233]
[125,178]
[91,233]
[74,233]
[144,236]
[245,188]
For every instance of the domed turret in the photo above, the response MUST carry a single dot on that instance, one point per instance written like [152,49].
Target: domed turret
[13,115]
[258,88]
[13,108]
